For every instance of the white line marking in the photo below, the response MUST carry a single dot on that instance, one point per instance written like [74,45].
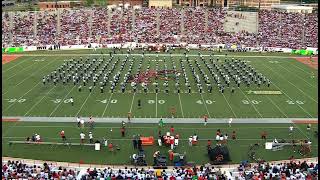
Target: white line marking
[61,101]
[234,114]
[277,107]
[178,55]
[21,96]
[254,107]
[38,102]
[29,76]
[132,102]
[205,105]
[25,68]
[24,60]
[292,100]
[298,77]
[300,130]
[156,105]
[291,84]
[107,105]
[301,69]
[85,101]
[181,105]
[152,127]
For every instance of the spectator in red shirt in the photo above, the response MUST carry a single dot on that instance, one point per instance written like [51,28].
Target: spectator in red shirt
[110,146]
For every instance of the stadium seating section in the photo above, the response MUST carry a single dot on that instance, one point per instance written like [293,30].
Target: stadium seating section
[191,25]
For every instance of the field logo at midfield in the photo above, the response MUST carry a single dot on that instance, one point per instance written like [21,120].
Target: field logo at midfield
[150,75]
[264,92]
[9,58]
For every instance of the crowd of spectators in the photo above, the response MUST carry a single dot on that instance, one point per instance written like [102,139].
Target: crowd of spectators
[46,28]
[201,173]
[5,29]
[19,170]
[23,33]
[74,27]
[290,170]
[148,25]
[286,170]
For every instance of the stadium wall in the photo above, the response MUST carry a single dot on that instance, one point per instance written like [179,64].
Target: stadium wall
[190,46]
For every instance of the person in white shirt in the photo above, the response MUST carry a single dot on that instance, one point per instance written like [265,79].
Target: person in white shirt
[71,100]
[230,121]
[290,130]
[38,138]
[190,141]
[78,121]
[225,137]
[82,123]
[90,137]
[82,136]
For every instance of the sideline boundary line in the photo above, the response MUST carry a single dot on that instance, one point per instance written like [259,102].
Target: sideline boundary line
[152,54]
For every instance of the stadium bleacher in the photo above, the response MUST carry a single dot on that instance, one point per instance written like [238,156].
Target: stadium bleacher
[192,26]
[293,169]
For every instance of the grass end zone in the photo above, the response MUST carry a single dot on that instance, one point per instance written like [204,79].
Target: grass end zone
[9,58]
[313,62]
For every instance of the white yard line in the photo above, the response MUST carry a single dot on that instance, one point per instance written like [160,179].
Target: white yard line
[25,68]
[54,110]
[152,54]
[301,69]
[104,111]
[181,106]
[254,107]
[132,102]
[38,102]
[234,114]
[156,105]
[277,107]
[299,77]
[205,105]
[22,96]
[85,101]
[279,75]
[300,130]
[286,116]
[29,76]
[22,61]
[291,100]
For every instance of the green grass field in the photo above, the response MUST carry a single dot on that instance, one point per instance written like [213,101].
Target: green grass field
[23,94]
[246,133]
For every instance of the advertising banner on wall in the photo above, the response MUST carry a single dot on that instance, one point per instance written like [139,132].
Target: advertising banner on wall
[12,49]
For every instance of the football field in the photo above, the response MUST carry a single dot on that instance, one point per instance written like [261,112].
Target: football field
[292,95]
[292,92]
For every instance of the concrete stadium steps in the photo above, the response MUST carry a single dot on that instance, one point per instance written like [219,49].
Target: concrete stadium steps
[249,23]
